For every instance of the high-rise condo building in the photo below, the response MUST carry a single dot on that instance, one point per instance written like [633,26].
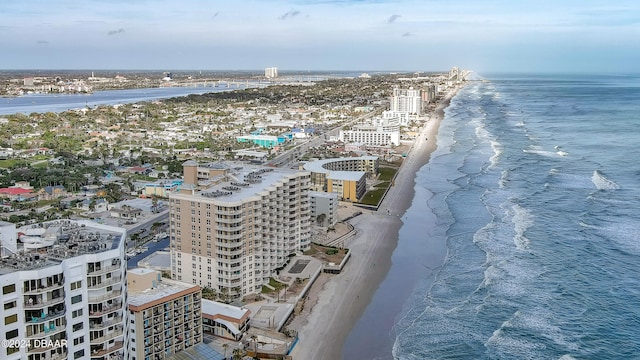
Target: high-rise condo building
[271,72]
[454,74]
[406,101]
[233,225]
[64,293]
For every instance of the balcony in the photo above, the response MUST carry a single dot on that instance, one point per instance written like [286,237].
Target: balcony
[59,356]
[43,289]
[228,261]
[227,243]
[106,309]
[224,222]
[230,236]
[232,277]
[229,212]
[104,297]
[95,325]
[54,344]
[103,270]
[106,337]
[48,331]
[230,252]
[101,352]
[40,304]
[47,317]
[105,283]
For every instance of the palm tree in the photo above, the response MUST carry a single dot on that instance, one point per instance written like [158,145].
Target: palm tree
[224,294]
[225,346]
[237,354]
[154,203]
[254,338]
[209,293]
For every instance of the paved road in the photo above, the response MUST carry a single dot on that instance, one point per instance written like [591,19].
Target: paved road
[153,247]
[162,216]
[287,158]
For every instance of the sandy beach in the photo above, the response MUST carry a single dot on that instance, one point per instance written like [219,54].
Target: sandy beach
[341,299]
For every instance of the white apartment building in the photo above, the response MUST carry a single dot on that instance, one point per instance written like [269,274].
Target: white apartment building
[407,100]
[233,231]
[8,243]
[379,132]
[64,293]
[271,72]
[324,208]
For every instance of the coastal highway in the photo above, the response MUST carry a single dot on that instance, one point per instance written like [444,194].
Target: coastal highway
[292,155]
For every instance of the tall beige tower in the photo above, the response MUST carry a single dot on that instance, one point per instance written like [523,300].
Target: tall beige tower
[234,231]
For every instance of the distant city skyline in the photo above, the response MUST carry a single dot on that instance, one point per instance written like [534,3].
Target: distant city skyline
[383,35]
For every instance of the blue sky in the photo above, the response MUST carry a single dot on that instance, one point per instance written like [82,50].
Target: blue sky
[402,35]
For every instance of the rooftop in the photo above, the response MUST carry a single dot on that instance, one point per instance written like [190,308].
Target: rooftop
[323,194]
[47,244]
[14,191]
[159,260]
[215,308]
[163,289]
[243,181]
[319,167]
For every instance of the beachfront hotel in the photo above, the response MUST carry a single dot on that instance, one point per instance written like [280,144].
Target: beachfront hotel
[233,225]
[378,132]
[406,100]
[166,315]
[406,106]
[346,177]
[64,292]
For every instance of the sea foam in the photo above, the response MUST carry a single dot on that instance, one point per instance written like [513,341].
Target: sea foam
[602,183]
[522,219]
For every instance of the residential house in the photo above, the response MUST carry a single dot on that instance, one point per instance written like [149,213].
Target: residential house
[93,205]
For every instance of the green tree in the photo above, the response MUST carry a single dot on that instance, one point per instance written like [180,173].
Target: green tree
[237,354]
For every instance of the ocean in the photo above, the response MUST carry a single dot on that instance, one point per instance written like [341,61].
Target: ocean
[531,202]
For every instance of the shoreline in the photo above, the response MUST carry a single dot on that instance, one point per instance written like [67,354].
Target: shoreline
[343,298]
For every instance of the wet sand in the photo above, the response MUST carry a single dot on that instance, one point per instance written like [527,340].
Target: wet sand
[343,298]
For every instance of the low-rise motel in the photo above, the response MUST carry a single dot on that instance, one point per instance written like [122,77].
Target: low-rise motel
[343,176]
[165,315]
